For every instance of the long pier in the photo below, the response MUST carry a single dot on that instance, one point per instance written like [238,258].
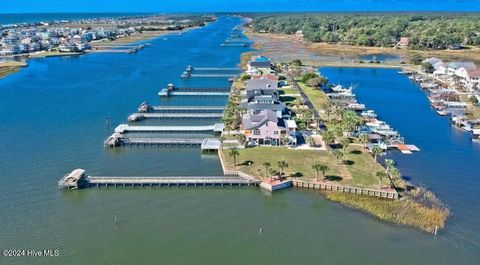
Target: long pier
[216,68]
[388,194]
[213,75]
[125,128]
[77,179]
[169,181]
[166,93]
[142,116]
[187,108]
[202,89]
[167,142]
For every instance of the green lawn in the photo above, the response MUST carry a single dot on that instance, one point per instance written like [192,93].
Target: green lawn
[318,98]
[355,168]
[288,91]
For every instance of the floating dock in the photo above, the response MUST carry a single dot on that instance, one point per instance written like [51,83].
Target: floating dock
[143,116]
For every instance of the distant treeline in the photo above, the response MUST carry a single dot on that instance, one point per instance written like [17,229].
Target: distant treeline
[426,31]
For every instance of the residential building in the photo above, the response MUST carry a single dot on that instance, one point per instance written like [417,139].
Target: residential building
[259,65]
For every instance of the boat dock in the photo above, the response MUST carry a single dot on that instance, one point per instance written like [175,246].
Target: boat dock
[187,108]
[125,128]
[77,179]
[166,93]
[143,116]
[388,194]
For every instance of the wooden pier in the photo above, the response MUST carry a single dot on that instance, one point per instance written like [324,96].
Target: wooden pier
[125,128]
[77,179]
[166,142]
[387,194]
[187,108]
[143,116]
[166,93]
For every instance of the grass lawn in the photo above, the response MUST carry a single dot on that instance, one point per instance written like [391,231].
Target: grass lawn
[318,98]
[288,91]
[355,168]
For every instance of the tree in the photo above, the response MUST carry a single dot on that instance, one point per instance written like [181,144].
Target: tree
[427,67]
[328,137]
[363,138]
[307,76]
[282,165]
[376,151]
[320,168]
[381,175]
[245,77]
[317,81]
[267,166]
[345,142]
[221,139]
[389,163]
[297,62]
[337,154]
[473,100]
[234,154]
[284,140]
[241,138]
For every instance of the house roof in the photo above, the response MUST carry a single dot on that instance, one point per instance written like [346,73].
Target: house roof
[475,73]
[262,83]
[268,76]
[291,124]
[466,65]
[253,121]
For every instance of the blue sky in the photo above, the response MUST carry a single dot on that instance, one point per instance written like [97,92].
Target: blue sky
[35,6]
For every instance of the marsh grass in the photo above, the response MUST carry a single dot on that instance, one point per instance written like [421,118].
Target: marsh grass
[418,208]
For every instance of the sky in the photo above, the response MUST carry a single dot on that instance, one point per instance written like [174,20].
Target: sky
[55,6]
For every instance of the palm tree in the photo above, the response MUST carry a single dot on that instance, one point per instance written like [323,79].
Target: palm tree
[364,139]
[344,142]
[320,168]
[337,154]
[376,151]
[234,153]
[389,163]
[267,166]
[282,165]
[328,137]
[381,175]
[222,139]
[241,138]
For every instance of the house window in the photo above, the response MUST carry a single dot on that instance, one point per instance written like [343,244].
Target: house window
[256,132]
[275,132]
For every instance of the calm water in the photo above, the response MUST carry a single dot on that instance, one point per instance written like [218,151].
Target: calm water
[53,120]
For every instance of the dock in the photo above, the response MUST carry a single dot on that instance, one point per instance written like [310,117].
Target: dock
[387,194]
[125,128]
[143,116]
[77,179]
[166,93]
[187,108]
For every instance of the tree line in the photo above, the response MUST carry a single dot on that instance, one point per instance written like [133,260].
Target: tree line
[426,31]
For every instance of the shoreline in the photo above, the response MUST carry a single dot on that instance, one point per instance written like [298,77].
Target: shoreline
[271,40]
[8,68]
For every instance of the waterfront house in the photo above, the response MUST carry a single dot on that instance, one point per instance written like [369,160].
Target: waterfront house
[265,128]
[259,103]
[473,80]
[259,65]
[262,87]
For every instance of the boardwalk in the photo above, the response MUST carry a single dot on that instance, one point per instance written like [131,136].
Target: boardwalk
[160,141]
[388,194]
[188,108]
[142,116]
[125,128]
[166,93]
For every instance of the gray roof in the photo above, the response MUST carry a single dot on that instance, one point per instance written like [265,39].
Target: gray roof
[262,83]
[252,121]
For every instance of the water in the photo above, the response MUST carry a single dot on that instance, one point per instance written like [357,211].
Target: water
[381,57]
[449,161]
[53,120]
